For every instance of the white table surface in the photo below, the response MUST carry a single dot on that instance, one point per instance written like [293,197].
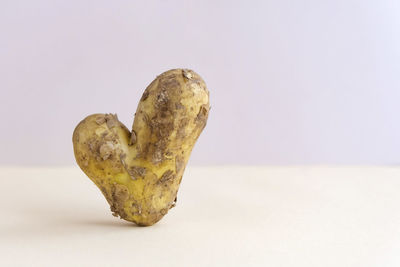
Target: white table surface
[225,216]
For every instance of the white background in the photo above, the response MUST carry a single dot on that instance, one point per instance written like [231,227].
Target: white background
[231,216]
[292,82]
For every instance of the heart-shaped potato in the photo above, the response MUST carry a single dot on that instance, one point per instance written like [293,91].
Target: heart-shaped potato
[139,172]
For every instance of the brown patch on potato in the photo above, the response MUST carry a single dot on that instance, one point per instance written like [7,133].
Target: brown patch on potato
[179,163]
[102,149]
[111,120]
[145,95]
[169,82]
[187,74]
[162,98]
[203,113]
[136,209]
[173,203]
[181,131]
[161,125]
[132,140]
[166,177]
[106,150]
[164,211]
[157,156]
[119,195]
[100,119]
[136,172]
[202,116]
[155,151]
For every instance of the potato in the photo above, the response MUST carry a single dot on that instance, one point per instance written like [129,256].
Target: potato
[139,172]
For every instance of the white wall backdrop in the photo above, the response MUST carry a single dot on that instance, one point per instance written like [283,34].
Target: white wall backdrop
[291,82]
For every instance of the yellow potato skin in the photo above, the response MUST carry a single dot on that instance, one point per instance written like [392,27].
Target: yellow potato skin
[139,172]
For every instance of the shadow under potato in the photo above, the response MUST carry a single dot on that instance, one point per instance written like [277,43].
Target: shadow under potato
[39,221]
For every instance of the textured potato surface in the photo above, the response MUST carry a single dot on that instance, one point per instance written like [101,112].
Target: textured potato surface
[139,171]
